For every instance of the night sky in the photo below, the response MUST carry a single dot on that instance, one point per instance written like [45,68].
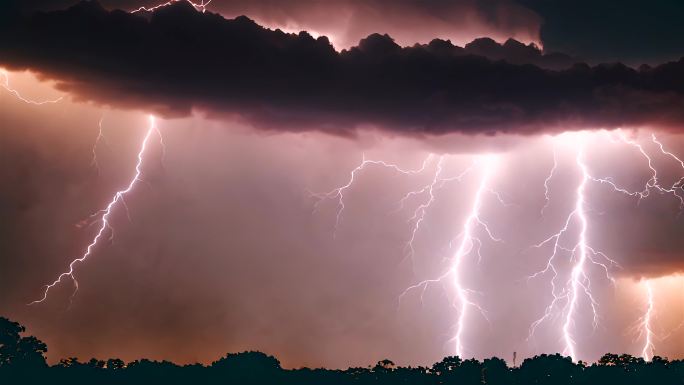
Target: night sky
[379,185]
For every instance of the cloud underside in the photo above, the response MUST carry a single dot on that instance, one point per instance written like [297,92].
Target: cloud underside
[177,60]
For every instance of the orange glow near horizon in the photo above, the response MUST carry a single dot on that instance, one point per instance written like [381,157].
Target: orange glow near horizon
[659,301]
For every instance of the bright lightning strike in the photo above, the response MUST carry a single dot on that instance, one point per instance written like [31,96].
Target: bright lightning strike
[677,187]
[468,243]
[465,247]
[644,329]
[566,297]
[645,323]
[6,85]
[117,199]
[653,182]
[202,6]
[578,277]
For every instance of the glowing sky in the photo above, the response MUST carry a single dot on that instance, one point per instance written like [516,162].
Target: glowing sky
[229,246]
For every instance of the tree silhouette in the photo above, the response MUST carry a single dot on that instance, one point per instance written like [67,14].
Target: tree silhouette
[17,351]
[447,365]
[384,365]
[495,371]
[22,361]
[69,362]
[247,362]
[548,370]
[115,364]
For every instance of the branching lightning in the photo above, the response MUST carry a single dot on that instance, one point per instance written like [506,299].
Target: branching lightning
[547,198]
[201,6]
[653,182]
[678,186]
[468,243]
[566,296]
[567,293]
[6,85]
[646,329]
[338,193]
[465,247]
[419,213]
[644,324]
[100,138]
[118,198]
[105,225]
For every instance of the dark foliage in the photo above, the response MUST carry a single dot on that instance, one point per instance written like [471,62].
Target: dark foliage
[22,362]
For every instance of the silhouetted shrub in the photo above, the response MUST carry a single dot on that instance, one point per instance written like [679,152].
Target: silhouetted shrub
[22,361]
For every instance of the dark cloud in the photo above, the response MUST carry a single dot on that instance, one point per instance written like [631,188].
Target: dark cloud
[178,60]
[346,22]
[630,31]
[515,52]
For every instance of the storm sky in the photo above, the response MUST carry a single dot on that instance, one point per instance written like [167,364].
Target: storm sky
[226,244]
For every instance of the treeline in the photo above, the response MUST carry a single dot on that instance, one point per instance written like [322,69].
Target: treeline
[22,361]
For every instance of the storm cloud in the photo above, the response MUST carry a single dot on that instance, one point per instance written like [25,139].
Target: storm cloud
[408,21]
[178,60]
[630,31]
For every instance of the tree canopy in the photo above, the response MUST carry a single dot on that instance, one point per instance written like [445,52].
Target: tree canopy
[22,361]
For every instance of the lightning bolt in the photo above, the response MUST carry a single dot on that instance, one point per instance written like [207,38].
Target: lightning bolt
[117,199]
[566,297]
[465,247]
[676,187]
[578,270]
[547,198]
[643,328]
[645,323]
[653,182]
[202,6]
[646,329]
[419,213]
[6,85]
[338,192]
[468,242]
[100,138]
